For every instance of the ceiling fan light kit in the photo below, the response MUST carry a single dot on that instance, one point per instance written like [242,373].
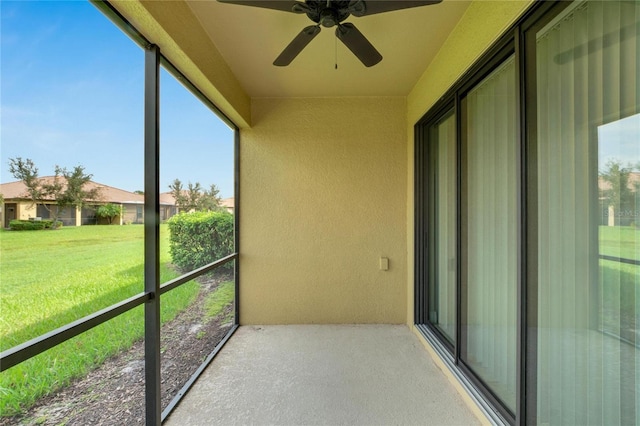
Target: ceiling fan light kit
[331,13]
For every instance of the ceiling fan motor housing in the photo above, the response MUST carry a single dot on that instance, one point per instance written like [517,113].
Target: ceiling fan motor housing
[328,14]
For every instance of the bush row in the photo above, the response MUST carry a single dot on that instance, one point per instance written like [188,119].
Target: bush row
[199,238]
[33,225]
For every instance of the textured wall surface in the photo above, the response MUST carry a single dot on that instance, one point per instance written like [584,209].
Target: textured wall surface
[323,187]
[26,211]
[482,24]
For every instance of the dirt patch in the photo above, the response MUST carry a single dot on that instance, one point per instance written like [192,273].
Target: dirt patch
[113,394]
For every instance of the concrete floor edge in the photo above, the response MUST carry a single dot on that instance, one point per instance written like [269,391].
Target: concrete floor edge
[452,379]
[326,374]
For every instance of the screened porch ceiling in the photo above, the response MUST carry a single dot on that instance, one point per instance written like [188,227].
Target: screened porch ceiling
[248,40]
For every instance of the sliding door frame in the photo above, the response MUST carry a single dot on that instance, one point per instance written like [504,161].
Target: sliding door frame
[513,42]
[425,192]
[494,62]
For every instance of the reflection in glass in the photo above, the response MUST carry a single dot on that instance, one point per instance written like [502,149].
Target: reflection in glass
[619,238]
[588,352]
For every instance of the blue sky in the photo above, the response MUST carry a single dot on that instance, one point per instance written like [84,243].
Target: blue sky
[71,93]
[618,141]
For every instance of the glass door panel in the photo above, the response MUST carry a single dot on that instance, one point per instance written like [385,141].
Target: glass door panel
[588,180]
[490,215]
[442,235]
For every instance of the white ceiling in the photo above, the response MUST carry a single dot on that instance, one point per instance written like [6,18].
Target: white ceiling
[250,38]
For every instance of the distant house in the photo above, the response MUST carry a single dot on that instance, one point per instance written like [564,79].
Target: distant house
[17,205]
[619,215]
[229,204]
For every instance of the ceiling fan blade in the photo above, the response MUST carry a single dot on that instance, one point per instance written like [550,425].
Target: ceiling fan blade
[284,5]
[358,44]
[297,44]
[371,7]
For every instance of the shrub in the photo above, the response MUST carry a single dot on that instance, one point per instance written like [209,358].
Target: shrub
[199,238]
[33,225]
[110,211]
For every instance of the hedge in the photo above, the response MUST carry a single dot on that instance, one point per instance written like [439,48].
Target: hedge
[199,238]
[33,225]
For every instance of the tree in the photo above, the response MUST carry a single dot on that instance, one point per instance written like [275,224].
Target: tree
[109,211]
[618,192]
[66,188]
[177,191]
[636,200]
[210,199]
[194,197]
[74,193]
[27,172]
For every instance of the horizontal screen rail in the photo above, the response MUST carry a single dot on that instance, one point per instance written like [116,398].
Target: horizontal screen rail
[620,259]
[36,346]
[176,282]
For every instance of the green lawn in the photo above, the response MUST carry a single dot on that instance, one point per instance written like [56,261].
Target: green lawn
[620,241]
[620,299]
[50,278]
[620,282]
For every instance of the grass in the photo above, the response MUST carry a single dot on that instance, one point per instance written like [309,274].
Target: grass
[620,241]
[51,278]
[620,299]
[620,282]
[219,300]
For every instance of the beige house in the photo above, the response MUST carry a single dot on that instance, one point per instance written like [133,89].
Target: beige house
[17,205]
[617,215]
[228,204]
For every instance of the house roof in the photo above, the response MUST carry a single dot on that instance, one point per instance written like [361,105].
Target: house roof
[229,203]
[634,178]
[167,198]
[108,194]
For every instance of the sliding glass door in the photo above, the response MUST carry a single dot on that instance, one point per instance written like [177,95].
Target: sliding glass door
[441,188]
[490,232]
[528,219]
[588,204]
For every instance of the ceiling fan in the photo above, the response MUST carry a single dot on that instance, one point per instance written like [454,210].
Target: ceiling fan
[330,13]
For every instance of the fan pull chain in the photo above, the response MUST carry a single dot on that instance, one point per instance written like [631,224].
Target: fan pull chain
[336,50]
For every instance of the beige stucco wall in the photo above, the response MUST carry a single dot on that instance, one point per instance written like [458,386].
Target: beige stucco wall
[26,210]
[482,24]
[323,187]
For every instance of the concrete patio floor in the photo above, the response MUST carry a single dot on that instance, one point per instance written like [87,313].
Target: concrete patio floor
[323,375]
